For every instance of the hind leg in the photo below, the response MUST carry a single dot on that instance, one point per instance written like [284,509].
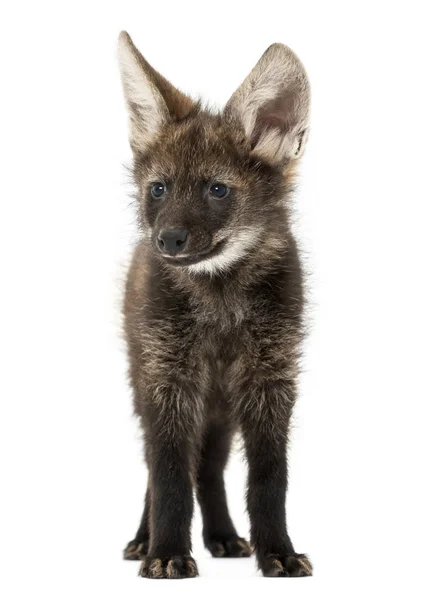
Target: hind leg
[138,547]
[219,533]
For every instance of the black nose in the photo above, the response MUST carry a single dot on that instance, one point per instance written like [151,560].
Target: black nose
[172,241]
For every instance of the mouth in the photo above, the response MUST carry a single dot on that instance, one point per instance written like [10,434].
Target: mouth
[186,260]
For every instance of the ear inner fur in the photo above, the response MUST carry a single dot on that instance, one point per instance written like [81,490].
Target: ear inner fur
[152,100]
[272,105]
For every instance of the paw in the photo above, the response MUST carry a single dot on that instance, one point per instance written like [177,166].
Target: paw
[175,567]
[295,565]
[135,550]
[232,548]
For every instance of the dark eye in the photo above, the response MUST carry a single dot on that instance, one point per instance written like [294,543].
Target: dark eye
[157,190]
[219,190]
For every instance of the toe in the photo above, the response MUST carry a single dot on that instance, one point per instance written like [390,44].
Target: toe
[180,567]
[152,568]
[135,550]
[296,565]
[272,566]
[217,549]
[238,548]
[231,548]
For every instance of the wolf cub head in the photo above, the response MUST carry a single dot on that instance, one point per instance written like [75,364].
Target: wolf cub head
[212,187]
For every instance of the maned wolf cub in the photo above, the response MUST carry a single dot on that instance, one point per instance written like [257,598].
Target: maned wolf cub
[214,307]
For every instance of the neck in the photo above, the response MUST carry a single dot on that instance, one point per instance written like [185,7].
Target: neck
[225,297]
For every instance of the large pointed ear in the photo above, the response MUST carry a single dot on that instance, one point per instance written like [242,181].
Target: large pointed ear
[272,106]
[151,100]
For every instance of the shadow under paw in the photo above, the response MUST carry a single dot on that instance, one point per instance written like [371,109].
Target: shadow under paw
[135,550]
[296,565]
[232,548]
[175,567]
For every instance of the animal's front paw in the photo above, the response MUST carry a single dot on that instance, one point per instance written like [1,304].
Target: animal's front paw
[235,547]
[294,565]
[175,567]
[135,550]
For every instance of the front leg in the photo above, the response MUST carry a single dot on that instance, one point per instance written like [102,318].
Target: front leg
[264,414]
[173,424]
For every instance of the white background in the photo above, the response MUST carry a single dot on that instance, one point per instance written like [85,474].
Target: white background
[72,478]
